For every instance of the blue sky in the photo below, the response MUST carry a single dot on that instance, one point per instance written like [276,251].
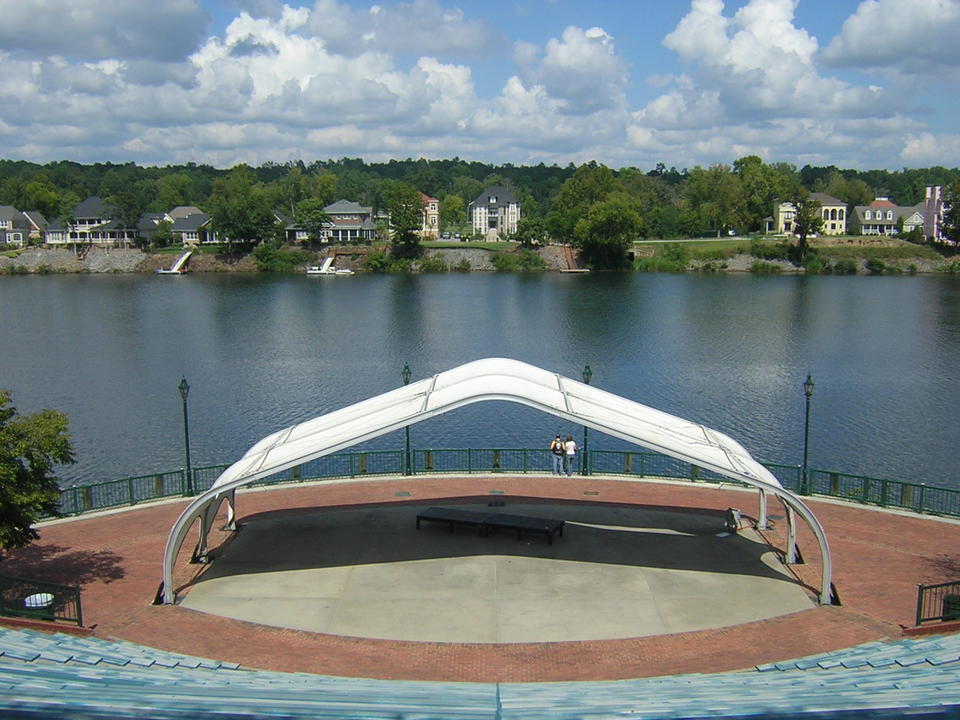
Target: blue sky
[860,84]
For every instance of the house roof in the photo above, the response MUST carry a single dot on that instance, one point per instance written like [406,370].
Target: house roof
[182,211]
[882,202]
[826,200]
[9,212]
[92,207]
[36,219]
[190,223]
[427,199]
[149,221]
[347,207]
[499,192]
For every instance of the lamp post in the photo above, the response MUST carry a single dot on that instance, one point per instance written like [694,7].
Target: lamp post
[807,391]
[405,374]
[184,389]
[587,374]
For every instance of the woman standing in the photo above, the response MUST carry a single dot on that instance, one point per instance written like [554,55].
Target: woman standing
[570,460]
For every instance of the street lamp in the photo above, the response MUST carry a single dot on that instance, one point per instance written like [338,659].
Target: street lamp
[807,391]
[587,374]
[184,389]
[405,374]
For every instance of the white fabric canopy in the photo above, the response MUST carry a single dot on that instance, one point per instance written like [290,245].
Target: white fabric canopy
[481,380]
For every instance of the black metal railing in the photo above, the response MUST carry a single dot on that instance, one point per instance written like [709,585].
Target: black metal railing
[917,497]
[39,600]
[938,602]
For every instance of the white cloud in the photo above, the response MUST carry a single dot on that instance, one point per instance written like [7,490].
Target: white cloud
[927,149]
[914,37]
[757,64]
[420,27]
[581,69]
[95,29]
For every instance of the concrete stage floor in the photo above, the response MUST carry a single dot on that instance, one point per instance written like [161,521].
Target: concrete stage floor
[617,572]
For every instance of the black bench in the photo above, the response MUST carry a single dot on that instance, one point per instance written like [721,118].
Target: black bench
[486,521]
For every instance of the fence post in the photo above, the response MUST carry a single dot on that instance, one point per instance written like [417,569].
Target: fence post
[919,603]
[883,493]
[158,486]
[865,497]
[906,495]
[496,459]
[76,598]
[834,484]
[87,497]
[428,459]
[923,497]
[643,464]
[628,462]
[130,498]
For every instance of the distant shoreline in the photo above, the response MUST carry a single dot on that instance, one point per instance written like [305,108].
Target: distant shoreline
[50,261]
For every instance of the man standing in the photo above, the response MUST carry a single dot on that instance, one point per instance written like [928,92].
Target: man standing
[559,452]
[570,459]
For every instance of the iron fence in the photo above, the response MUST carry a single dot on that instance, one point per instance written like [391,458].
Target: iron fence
[938,602]
[38,600]
[917,497]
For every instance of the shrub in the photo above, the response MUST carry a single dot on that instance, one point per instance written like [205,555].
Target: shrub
[274,258]
[432,264]
[876,266]
[505,262]
[377,262]
[530,261]
[844,267]
[463,266]
[44,269]
[15,270]
[765,268]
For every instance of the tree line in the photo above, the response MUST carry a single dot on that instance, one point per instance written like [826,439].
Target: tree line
[595,207]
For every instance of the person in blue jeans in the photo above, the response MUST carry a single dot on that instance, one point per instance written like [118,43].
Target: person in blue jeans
[559,453]
[570,456]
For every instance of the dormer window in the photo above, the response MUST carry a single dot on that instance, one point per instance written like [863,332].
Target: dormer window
[493,199]
[866,214]
[889,214]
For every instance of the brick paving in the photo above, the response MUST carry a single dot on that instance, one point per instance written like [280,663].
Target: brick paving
[879,558]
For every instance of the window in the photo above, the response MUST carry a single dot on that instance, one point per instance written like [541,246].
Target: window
[493,199]
[889,214]
[866,214]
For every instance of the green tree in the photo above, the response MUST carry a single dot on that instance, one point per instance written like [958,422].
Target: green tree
[606,231]
[405,204]
[590,184]
[30,447]
[310,215]
[718,194]
[239,208]
[41,195]
[172,191]
[950,221]
[162,236]
[531,231]
[807,220]
[452,211]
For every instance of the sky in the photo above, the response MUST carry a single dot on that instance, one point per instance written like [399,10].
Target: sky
[629,83]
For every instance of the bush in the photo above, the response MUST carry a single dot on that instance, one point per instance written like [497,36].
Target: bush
[432,264]
[505,262]
[770,250]
[44,269]
[377,262]
[765,268]
[530,261]
[463,266]
[844,267]
[876,266]
[273,258]
[15,270]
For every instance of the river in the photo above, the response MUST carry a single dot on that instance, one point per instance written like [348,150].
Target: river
[260,352]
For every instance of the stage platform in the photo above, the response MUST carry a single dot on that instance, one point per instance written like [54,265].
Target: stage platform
[639,585]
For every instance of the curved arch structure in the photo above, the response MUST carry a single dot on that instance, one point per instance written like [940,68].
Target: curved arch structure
[478,381]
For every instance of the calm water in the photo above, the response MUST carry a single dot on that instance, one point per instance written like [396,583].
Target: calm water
[261,353]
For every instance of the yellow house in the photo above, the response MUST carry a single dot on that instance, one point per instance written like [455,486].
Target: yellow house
[834,216]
